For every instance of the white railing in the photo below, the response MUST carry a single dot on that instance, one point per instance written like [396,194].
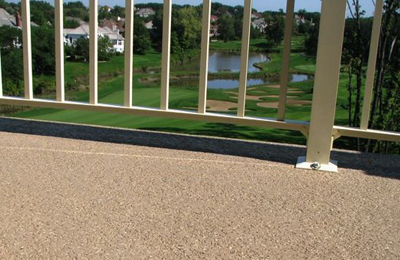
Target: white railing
[321,131]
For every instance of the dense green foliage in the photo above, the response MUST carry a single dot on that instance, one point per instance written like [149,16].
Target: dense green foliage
[141,39]
[226,27]
[76,9]
[275,29]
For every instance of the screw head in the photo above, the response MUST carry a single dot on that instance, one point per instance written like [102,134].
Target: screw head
[315,166]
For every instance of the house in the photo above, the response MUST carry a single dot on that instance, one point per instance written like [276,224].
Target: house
[214,18]
[145,12]
[299,19]
[13,21]
[149,25]
[256,16]
[117,39]
[214,31]
[72,35]
[7,19]
[115,26]
[259,24]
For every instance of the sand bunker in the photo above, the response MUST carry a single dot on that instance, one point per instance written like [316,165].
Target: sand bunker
[290,102]
[268,104]
[274,86]
[248,97]
[217,105]
[295,92]
[294,102]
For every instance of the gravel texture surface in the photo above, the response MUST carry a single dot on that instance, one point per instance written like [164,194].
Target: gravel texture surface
[80,192]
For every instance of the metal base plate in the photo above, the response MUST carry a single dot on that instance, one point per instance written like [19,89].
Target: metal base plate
[303,164]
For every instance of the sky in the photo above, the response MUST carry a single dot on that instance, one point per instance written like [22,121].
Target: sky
[261,5]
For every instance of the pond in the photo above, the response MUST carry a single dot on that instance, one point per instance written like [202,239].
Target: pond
[220,61]
[234,83]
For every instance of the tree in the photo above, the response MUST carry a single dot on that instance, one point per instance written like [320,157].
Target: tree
[118,11]
[104,13]
[256,33]
[141,38]
[71,24]
[43,50]
[385,104]
[156,33]
[238,27]
[187,25]
[357,37]
[76,9]
[355,54]
[275,29]
[226,28]
[11,59]
[105,48]
[311,42]
[42,13]
[304,28]
[82,48]
[11,8]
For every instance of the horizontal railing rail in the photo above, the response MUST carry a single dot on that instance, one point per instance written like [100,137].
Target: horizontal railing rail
[321,131]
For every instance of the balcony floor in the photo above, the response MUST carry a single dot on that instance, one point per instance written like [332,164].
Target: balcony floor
[81,192]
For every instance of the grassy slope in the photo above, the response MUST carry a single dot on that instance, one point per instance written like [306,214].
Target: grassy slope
[111,92]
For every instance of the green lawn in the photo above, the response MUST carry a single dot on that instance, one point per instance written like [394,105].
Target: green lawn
[148,95]
[116,64]
[256,45]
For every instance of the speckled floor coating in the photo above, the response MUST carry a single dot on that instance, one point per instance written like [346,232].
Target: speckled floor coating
[67,198]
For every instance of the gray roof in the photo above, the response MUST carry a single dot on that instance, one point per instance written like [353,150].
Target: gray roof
[6,19]
[84,31]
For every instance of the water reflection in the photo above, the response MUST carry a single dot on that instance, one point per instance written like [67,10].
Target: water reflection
[230,61]
[234,83]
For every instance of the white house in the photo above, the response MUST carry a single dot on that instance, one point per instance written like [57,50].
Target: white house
[145,12]
[259,24]
[149,25]
[72,35]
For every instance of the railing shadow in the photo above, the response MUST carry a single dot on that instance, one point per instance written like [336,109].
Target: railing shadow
[387,166]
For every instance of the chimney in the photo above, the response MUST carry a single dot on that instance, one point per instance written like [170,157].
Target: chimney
[18,20]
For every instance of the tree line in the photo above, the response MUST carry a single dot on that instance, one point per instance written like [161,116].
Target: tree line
[385,107]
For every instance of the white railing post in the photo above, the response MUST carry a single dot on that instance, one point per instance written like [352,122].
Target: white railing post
[373,54]
[244,67]
[327,74]
[93,52]
[59,26]
[27,48]
[166,54]
[286,59]
[205,51]
[128,81]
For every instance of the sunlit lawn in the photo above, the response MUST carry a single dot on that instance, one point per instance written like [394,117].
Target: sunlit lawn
[148,95]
